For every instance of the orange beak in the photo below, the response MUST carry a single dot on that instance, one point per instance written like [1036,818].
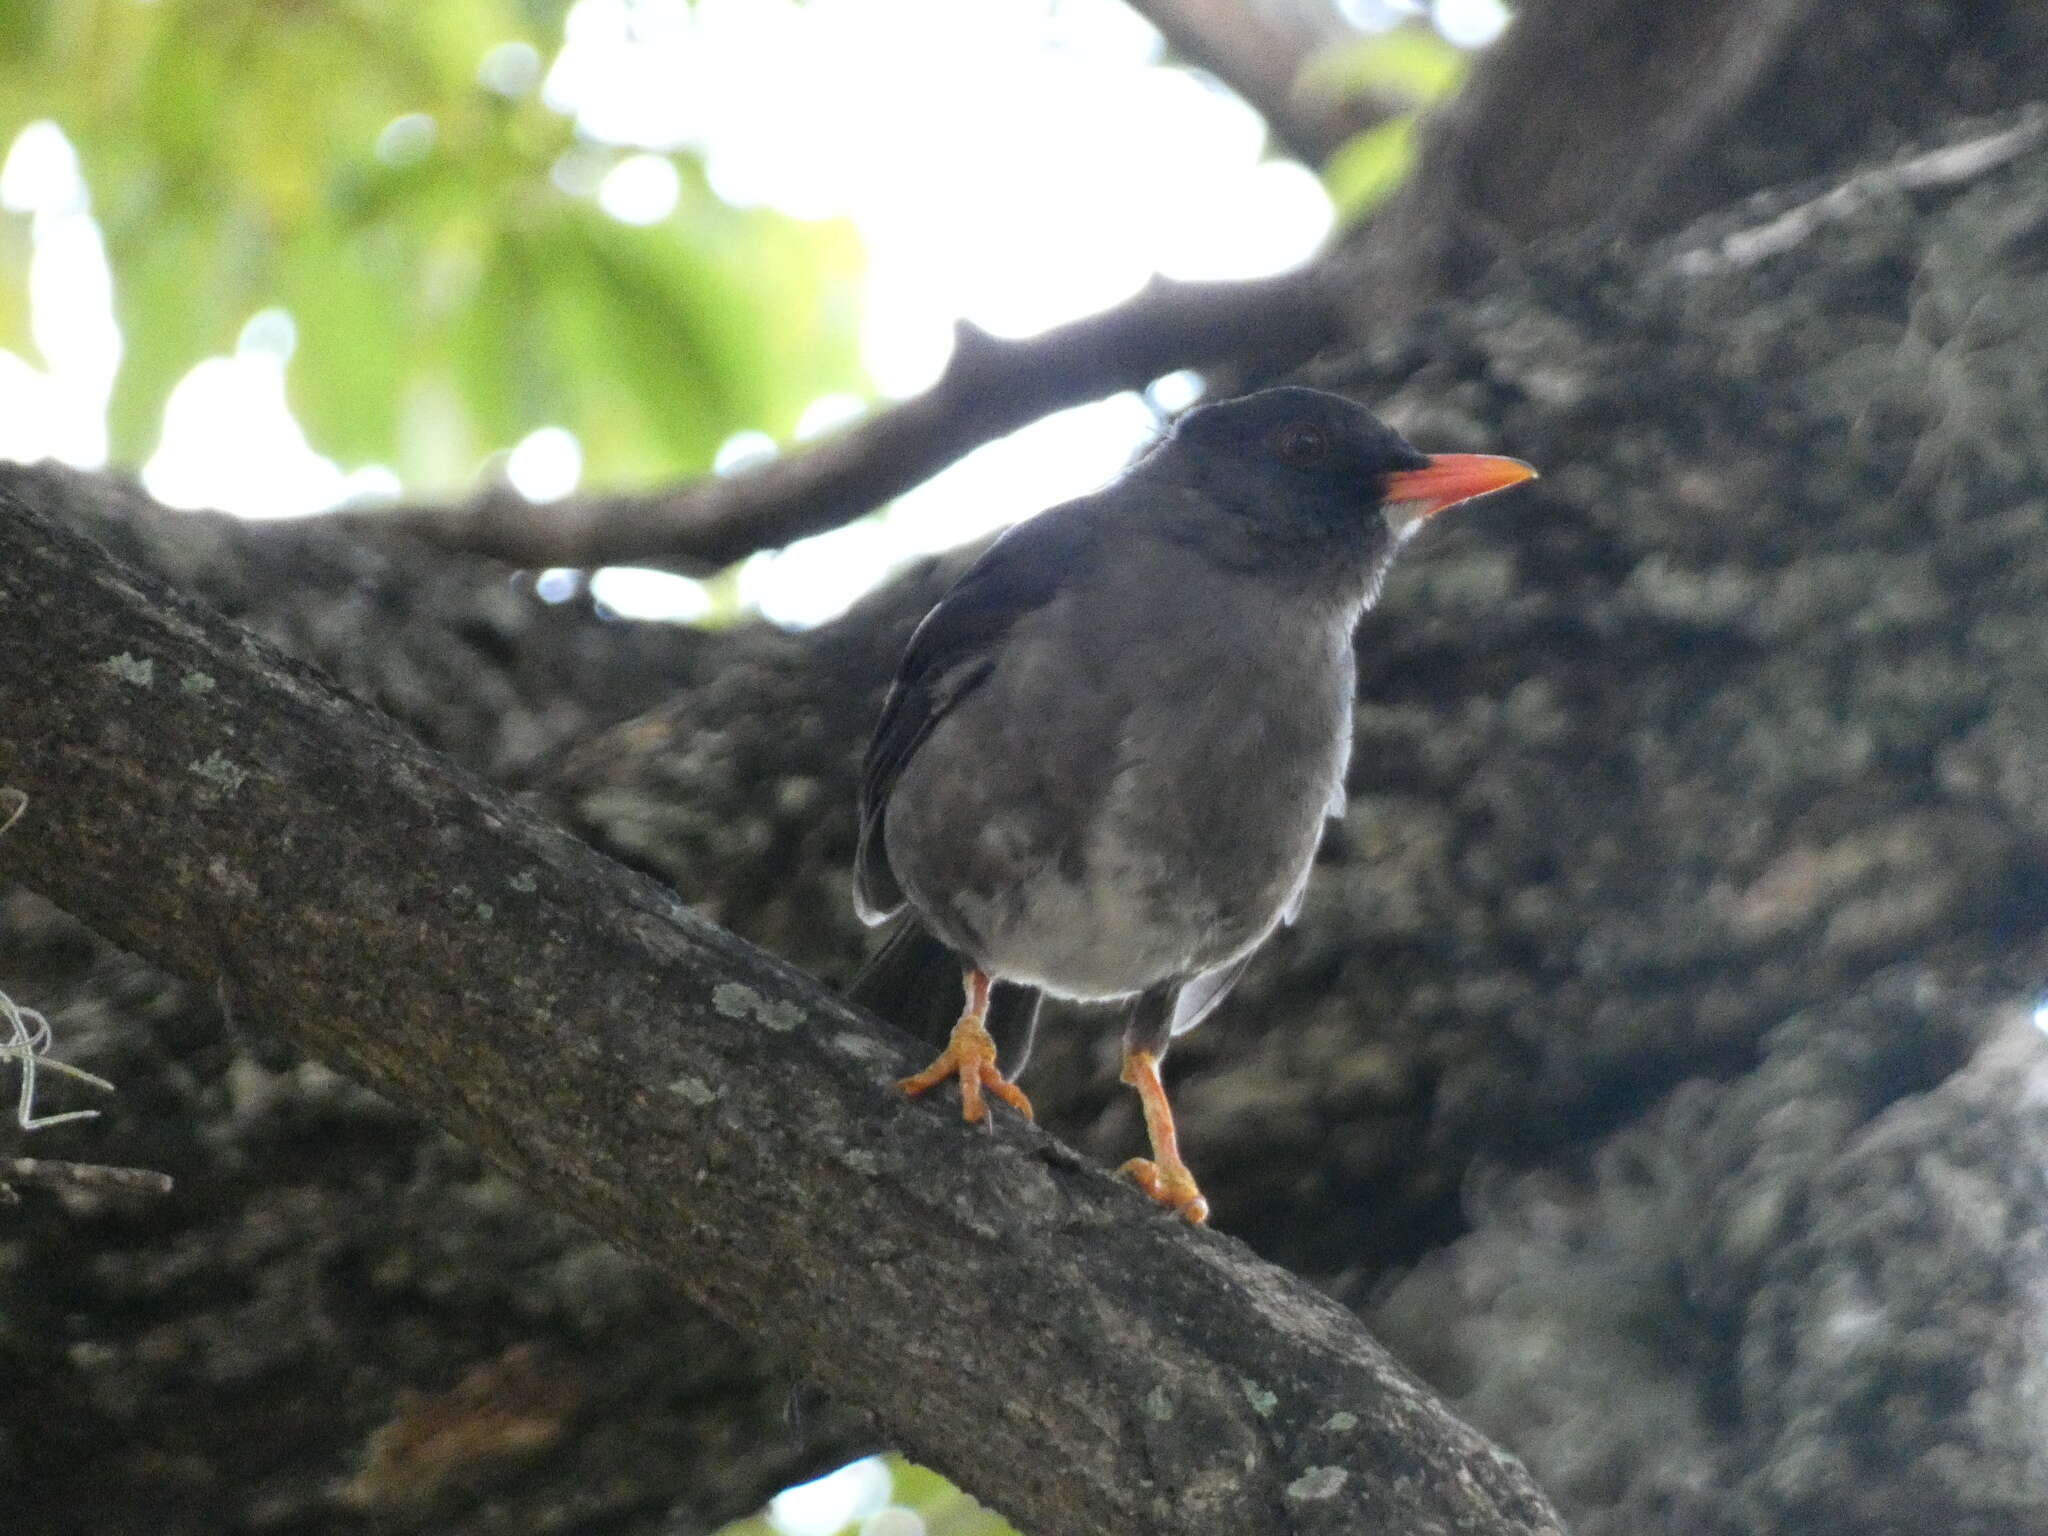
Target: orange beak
[1413,495]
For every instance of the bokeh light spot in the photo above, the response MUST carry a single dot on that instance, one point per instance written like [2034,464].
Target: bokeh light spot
[640,189]
[743,450]
[635,592]
[406,140]
[510,69]
[557,584]
[829,1504]
[546,465]
[1470,23]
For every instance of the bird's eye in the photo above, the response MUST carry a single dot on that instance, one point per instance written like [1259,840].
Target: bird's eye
[1303,444]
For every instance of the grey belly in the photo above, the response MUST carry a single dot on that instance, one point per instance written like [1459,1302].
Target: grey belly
[1152,852]
[1126,921]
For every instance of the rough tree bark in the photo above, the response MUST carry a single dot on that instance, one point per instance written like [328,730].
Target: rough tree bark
[1651,1065]
[1615,121]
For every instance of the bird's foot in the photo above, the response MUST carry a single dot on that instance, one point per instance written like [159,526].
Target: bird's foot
[1163,1175]
[970,1055]
[1172,1186]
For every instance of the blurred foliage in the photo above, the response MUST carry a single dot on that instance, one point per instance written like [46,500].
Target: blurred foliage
[1369,165]
[1411,64]
[943,1508]
[429,223]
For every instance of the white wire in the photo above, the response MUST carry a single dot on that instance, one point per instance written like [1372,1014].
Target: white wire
[26,1041]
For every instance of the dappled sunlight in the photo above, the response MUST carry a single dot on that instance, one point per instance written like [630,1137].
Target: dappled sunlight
[1051,460]
[58,410]
[1056,457]
[641,189]
[231,443]
[511,69]
[557,584]
[1074,163]
[827,1505]
[634,592]
[827,414]
[816,579]
[1470,23]
[546,464]
[875,1496]
[407,140]
[743,450]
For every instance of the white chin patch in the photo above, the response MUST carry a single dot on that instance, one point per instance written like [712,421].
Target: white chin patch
[1404,517]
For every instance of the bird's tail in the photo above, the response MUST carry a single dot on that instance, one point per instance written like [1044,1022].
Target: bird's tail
[913,981]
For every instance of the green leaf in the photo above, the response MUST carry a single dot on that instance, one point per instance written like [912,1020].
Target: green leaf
[176,299]
[1368,166]
[348,376]
[1414,62]
[944,1507]
[448,301]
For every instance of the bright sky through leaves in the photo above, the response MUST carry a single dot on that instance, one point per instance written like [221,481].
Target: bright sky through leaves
[1013,162]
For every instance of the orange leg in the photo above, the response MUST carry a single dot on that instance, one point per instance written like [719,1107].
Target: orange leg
[1163,1176]
[970,1055]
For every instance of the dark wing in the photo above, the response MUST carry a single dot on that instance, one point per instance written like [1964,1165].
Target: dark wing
[949,656]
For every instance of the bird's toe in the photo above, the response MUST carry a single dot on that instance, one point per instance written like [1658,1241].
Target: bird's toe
[970,1055]
[1173,1187]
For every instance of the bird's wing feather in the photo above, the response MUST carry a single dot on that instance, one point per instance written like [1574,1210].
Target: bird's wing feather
[1198,998]
[951,653]
[1298,895]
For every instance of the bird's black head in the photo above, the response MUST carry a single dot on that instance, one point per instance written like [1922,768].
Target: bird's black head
[1294,450]
[1301,468]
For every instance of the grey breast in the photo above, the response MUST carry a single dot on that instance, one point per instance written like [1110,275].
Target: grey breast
[1135,792]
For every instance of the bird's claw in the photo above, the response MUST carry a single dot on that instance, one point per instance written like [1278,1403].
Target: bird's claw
[970,1055]
[1173,1187]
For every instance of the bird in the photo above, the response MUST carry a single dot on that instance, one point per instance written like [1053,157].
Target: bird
[1107,757]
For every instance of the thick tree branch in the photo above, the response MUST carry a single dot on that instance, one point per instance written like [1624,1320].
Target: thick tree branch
[1261,55]
[1513,160]
[1003,1310]
[990,387]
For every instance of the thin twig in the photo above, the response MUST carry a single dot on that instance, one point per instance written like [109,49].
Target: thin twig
[1947,166]
[85,1177]
[991,386]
